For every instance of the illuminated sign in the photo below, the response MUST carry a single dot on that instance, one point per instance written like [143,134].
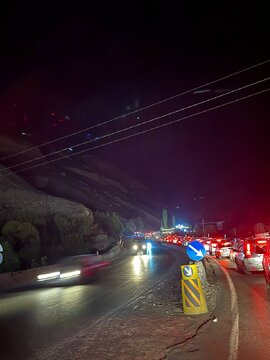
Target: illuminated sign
[181,227]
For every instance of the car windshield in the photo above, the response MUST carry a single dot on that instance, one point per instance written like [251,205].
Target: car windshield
[139,241]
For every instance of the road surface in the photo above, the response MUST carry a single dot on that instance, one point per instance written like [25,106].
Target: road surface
[35,322]
[241,326]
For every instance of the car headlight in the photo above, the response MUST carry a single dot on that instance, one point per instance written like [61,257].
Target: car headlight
[70,274]
[143,246]
[135,247]
[49,276]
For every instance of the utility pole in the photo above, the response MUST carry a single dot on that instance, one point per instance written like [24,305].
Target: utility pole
[203,228]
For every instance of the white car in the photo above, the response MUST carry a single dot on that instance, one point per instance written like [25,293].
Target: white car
[250,256]
[223,249]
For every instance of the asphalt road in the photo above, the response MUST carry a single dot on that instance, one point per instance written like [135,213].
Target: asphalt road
[36,322]
[254,314]
[241,329]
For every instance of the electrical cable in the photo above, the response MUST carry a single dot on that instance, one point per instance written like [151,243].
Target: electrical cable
[142,132]
[136,111]
[136,125]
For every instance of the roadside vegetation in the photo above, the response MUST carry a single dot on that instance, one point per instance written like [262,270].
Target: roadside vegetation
[29,240]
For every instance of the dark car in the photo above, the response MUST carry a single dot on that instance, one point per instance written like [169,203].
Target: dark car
[140,247]
[74,269]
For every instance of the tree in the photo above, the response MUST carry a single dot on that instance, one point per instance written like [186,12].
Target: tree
[25,215]
[71,234]
[173,221]
[109,223]
[11,261]
[24,240]
[117,225]
[164,220]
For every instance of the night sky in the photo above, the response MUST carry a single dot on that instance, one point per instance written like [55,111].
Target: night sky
[66,67]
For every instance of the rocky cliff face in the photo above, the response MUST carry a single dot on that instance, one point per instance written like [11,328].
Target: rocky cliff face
[77,186]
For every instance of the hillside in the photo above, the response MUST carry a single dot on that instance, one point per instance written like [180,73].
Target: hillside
[80,192]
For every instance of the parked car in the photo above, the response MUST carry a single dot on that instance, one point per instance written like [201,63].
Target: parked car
[266,264]
[250,256]
[74,269]
[235,248]
[223,249]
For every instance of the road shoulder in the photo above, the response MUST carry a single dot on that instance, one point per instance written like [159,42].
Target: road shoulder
[152,327]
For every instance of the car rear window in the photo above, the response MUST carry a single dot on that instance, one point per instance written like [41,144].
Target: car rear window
[225,245]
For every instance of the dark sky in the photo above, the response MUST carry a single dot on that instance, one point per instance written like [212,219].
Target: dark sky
[94,62]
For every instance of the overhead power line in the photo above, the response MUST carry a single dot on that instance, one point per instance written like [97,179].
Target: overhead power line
[138,125]
[138,110]
[142,132]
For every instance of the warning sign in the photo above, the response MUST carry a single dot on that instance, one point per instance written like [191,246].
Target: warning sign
[188,271]
[192,292]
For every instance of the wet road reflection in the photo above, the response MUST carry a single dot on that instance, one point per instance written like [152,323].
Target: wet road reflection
[33,321]
[254,313]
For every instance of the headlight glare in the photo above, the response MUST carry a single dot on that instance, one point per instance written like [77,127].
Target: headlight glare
[49,276]
[70,274]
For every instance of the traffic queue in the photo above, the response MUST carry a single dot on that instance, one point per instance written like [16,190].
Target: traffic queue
[249,254]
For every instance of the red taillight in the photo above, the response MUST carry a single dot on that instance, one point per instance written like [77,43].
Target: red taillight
[261,242]
[247,250]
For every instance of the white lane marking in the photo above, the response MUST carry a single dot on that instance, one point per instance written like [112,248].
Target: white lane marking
[234,338]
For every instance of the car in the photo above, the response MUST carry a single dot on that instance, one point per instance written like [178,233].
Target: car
[138,235]
[206,243]
[250,255]
[212,247]
[180,241]
[223,249]
[140,247]
[173,238]
[266,264]
[235,248]
[74,269]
